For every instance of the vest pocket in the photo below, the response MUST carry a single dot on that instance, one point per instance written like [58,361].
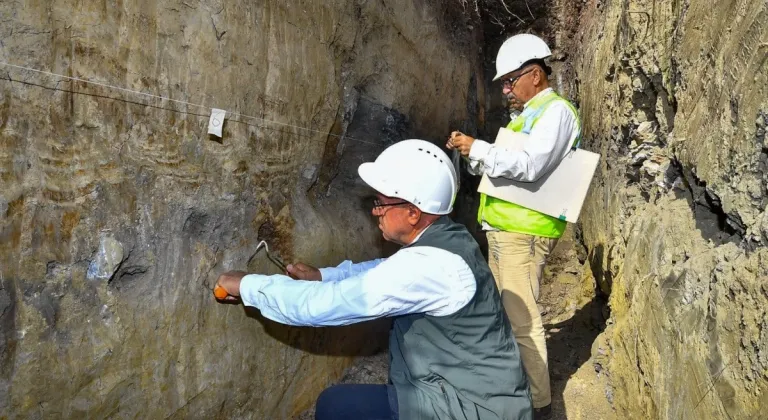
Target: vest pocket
[447,400]
[452,401]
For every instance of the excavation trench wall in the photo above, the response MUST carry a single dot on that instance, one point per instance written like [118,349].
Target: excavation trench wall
[674,95]
[117,210]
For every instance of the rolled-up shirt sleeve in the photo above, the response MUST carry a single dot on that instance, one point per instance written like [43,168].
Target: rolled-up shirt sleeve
[549,141]
[414,280]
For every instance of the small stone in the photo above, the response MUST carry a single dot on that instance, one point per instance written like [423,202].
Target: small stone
[639,158]
[309,172]
[645,127]
[107,259]
[609,394]
[651,168]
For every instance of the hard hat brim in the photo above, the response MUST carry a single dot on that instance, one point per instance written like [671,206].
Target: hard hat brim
[372,175]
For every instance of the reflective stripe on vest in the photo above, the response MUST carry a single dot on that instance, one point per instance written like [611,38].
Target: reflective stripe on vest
[511,217]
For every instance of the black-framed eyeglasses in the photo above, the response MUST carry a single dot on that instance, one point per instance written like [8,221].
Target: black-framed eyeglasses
[378,203]
[510,83]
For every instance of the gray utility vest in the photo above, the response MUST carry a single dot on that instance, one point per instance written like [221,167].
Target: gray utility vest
[465,365]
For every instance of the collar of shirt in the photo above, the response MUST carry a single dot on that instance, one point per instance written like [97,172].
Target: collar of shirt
[542,93]
[420,233]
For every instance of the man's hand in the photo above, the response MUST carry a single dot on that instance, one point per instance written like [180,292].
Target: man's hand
[230,282]
[460,141]
[301,271]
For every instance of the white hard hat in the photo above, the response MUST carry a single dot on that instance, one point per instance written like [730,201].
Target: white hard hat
[518,50]
[416,171]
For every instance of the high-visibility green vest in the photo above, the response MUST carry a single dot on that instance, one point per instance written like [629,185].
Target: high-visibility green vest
[509,217]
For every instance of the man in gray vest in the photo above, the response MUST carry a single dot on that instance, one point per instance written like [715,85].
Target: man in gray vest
[452,351]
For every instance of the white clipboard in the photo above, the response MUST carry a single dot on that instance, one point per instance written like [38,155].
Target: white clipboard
[560,193]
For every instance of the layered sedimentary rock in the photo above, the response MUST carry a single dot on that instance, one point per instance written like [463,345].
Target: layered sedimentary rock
[117,210]
[674,95]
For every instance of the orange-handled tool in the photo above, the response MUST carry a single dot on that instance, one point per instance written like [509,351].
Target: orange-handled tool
[219,292]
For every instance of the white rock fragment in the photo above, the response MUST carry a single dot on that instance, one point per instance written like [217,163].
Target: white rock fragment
[107,259]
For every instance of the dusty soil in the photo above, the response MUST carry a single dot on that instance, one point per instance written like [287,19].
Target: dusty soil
[574,316]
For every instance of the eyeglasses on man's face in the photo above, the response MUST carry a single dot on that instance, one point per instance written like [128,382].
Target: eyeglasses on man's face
[379,204]
[510,83]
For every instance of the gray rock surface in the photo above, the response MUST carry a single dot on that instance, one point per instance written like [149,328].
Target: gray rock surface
[674,96]
[117,211]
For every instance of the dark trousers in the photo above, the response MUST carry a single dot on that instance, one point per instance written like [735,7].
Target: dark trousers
[357,402]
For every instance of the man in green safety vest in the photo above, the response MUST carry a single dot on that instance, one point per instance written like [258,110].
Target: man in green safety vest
[520,239]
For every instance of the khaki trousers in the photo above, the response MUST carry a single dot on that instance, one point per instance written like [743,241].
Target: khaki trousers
[517,262]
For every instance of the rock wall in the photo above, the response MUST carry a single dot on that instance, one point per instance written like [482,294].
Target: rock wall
[674,95]
[117,210]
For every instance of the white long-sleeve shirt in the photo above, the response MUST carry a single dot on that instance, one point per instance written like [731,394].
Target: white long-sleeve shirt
[548,143]
[413,280]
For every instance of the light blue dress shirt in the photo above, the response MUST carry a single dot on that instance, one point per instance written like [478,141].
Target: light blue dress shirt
[414,280]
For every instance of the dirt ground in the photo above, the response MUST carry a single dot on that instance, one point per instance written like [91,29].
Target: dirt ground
[573,317]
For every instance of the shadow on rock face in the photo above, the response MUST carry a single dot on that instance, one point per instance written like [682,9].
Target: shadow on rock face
[597,262]
[361,339]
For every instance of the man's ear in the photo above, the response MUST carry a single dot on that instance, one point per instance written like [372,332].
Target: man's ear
[414,215]
[537,75]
